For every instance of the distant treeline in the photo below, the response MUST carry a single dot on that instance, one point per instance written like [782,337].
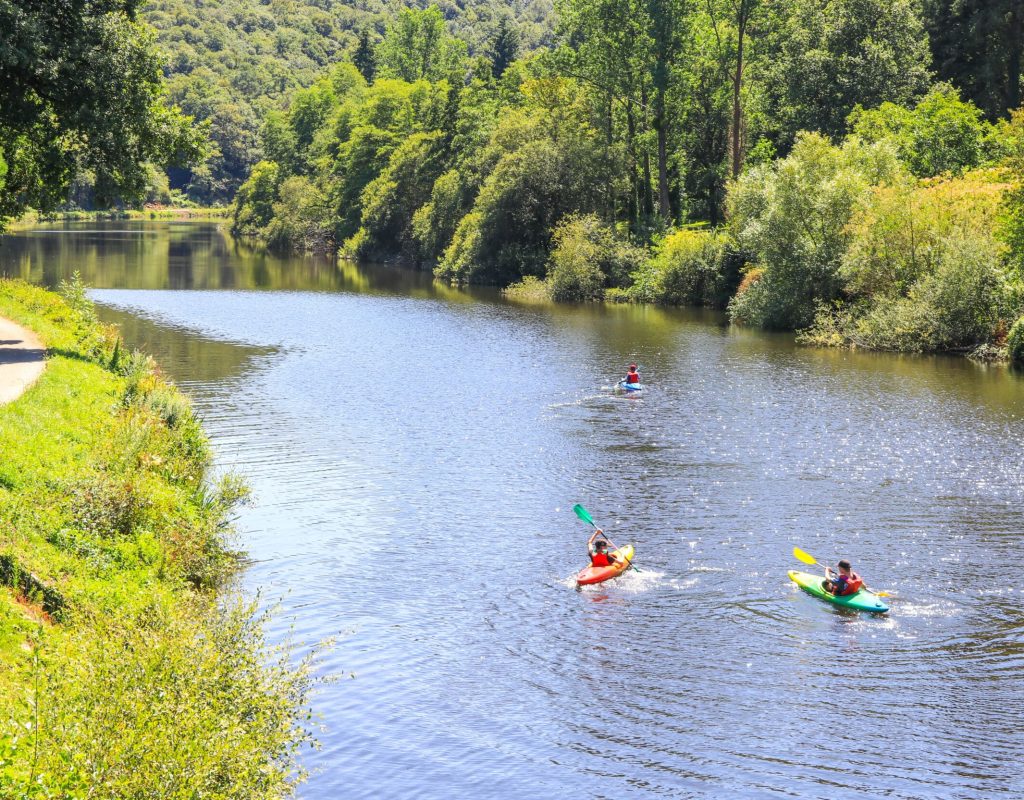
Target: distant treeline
[581,157]
[229,63]
[842,191]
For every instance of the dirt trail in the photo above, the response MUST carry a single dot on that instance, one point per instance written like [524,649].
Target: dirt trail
[22,360]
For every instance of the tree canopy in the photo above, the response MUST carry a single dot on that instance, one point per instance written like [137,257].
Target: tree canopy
[81,92]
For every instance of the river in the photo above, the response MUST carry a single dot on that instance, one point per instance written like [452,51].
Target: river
[416,451]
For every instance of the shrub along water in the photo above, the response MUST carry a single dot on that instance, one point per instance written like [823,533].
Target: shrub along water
[122,673]
[689,267]
[1015,342]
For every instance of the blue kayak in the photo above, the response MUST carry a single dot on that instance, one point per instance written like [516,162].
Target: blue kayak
[630,387]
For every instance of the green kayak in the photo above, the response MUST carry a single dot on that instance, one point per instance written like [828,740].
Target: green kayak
[860,601]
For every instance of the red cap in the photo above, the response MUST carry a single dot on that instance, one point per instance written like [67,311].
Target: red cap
[632,366]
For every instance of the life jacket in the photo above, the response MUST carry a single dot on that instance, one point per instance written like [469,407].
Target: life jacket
[633,377]
[853,584]
[600,560]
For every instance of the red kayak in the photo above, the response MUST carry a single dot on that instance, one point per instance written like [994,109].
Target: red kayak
[590,575]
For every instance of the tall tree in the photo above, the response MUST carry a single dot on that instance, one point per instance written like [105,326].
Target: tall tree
[667,21]
[742,12]
[364,57]
[609,48]
[630,50]
[505,49]
[417,46]
[826,56]
[80,90]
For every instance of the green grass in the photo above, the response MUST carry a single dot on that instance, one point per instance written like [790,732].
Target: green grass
[33,218]
[112,546]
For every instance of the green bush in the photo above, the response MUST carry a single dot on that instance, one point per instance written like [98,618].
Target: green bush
[942,134]
[390,200]
[1015,342]
[141,707]
[435,222]
[301,218]
[966,291]
[254,202]
[792,219]
[458,264]
[104,507]
[587,259]
[957,306]
[172,407]
[688,268]
[530,289]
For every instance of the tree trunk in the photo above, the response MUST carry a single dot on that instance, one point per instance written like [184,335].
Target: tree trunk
[635,195]
[664,207]
[648,196]
[1013,65]
[737,86]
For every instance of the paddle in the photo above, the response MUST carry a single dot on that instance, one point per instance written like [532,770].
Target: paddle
[807,558]
[584,515]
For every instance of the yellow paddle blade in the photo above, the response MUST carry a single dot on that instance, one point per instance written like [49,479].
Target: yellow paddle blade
[800,555]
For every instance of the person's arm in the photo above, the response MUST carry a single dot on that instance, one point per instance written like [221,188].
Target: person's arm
[597,532]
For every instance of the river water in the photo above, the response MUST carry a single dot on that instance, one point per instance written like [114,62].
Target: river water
[415,453]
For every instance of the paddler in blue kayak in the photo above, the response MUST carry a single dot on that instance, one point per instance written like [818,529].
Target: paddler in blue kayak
[843,582]
[633,376]
[598,551]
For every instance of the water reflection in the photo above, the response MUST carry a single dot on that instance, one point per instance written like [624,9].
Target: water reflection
[184,255]
[185,355]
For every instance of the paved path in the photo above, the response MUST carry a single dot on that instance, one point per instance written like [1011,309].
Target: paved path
[21,360]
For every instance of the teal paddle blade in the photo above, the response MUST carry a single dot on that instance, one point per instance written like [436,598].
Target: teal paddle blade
[583,514]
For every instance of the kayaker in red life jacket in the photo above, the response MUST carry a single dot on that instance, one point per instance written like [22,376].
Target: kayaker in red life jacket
[633,376]
[599,555]
[845,582]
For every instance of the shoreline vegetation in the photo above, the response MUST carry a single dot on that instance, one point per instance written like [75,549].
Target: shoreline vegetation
[32,219]
[126,667]
[885,213]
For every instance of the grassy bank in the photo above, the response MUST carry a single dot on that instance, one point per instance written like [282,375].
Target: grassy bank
[123,673]
[34,218]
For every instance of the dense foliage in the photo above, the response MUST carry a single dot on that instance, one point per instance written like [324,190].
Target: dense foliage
[812,130]
[121,676]
[1015,341]
[640,114]
[230,63]
[574,147]
[81,96]
[978,47]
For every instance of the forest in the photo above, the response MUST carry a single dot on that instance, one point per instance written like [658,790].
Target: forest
[827,167]
[229,63]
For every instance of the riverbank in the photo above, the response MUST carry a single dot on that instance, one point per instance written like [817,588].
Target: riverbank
[34,218]
[123,671]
